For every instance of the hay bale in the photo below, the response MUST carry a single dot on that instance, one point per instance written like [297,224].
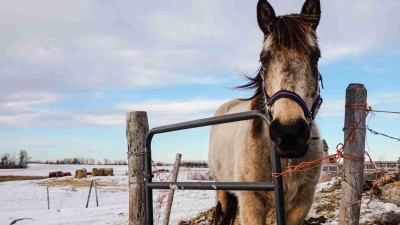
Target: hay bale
[108,172]
[81,173]
[95,172]
[101,172]
[392,192]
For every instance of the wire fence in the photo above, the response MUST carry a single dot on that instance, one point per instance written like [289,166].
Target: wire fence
[186,203]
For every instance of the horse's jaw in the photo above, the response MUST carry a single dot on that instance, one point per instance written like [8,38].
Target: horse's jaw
[291,151]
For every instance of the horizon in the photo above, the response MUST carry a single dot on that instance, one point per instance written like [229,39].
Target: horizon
[71,71]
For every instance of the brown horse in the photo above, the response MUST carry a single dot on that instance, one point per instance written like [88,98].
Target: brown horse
[287,91]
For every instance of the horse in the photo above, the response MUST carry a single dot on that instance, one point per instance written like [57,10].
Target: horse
[286,91]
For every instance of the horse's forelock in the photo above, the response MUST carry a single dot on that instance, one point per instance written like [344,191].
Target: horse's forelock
[292,33]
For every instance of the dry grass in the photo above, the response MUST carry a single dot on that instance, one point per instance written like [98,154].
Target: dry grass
[15,221]
[325,177]
[16,178]
[72,182]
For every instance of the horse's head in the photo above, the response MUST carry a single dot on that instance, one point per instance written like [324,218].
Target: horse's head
[290,75]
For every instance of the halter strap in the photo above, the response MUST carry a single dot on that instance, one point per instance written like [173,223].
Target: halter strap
[309,114]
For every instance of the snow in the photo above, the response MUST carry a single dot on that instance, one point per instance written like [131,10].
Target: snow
[327,192]
[28,199]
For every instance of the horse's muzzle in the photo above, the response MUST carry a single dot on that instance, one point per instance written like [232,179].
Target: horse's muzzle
[291,139]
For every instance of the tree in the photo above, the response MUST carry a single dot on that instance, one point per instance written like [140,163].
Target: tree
[4,160]
[23,159]
[106,161]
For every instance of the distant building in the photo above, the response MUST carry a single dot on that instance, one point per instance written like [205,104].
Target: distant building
[381,166]
[330,166]
[325,152]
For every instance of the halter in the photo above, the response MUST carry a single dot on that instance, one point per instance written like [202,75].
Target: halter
[309,114]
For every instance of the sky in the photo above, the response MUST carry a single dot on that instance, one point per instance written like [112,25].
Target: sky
[71,70]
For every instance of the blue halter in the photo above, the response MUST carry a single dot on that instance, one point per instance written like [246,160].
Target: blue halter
[308,113]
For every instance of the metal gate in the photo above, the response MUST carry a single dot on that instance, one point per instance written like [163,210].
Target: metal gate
[276,185]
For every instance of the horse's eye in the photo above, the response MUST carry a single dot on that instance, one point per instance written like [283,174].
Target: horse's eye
[315,57]
[264,61]
[315,60]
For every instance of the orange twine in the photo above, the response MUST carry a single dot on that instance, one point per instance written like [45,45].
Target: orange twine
[339,148]
[339,155]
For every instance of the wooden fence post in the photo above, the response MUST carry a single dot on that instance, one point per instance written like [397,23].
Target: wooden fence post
[171,191]
[353,163]
[137,127]
[95,188]
[48,198]
[88,197]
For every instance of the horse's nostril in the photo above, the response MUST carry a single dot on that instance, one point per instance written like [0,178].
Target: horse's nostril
[293,129]
[296,133]
[275,132]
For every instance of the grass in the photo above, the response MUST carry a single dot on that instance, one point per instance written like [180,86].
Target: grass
[73,182]
[16,178]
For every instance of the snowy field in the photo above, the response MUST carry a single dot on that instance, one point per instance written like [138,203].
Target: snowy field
[26,201]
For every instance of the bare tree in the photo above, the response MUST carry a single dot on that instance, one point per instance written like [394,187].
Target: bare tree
[23,159]
[106,161]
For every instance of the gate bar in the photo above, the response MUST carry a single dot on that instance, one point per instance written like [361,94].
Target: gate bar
[275,160]
[234,186]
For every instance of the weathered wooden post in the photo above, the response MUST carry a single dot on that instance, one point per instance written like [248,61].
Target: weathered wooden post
[48,199]
[95,188]
[171,191]
[90,190]
[353,163]
[137,127]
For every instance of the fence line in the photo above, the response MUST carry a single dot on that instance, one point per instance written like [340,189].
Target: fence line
[354,138]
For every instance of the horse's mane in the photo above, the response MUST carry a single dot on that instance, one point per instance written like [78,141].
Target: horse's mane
[289,33]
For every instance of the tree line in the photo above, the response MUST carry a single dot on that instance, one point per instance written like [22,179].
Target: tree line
[83,161]
[8,161]
[187,163]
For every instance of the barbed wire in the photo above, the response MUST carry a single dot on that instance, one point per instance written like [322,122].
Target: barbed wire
[384,111]
[378,133]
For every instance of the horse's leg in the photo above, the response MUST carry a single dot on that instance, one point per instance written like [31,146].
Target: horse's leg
[226,209]
[223,198]
[252,208]
[297,214]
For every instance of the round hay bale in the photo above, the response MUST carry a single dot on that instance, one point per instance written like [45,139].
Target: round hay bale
[95,172]
[80,173]
[109,172]
[102,172]
[392,192]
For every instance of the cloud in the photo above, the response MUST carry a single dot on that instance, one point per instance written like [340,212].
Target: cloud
[29,108]
[334,51]
[23,110]
[201,19]
[36,50]
[167,112]
[331,108]
[352,28]
[386,101]
[174,107]
[160,112]
[104,46]
[25,99]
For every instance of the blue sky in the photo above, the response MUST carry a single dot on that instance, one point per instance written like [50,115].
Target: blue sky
[70,70]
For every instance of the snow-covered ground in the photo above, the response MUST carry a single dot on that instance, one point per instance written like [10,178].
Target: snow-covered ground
[327,201]
[27,200]
[68,196]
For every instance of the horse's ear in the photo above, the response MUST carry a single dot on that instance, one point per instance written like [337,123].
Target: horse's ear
[265,16]
[312,8]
